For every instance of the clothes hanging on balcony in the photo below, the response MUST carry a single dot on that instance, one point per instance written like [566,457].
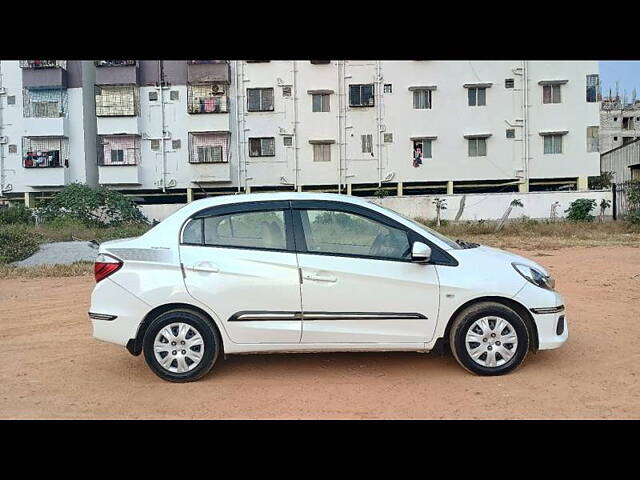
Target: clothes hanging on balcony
[209,105]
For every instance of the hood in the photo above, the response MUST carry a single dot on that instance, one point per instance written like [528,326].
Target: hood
[509,257]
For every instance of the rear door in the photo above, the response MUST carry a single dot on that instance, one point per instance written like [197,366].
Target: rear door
[358,282]
[240,261]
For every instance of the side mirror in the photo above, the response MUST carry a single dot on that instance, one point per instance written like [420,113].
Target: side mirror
[420,252]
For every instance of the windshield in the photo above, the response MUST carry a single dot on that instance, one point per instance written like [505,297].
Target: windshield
[439,236]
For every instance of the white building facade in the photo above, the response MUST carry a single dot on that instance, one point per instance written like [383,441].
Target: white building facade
[155,129]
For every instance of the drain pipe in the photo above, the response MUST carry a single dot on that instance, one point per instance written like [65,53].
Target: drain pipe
[295,125]
[164,151]
[525,90]
[340,140]
[238,87]
[378,118]
[1,144]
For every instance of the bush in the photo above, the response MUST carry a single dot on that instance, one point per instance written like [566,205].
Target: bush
[17,243]
[91,206]
[601,182]
[580,210]
[18,214]
[633,198]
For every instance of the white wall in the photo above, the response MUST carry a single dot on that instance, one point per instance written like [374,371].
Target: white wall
[491,206]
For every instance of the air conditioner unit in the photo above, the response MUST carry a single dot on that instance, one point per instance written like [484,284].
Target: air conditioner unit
[215,88]
[4,140]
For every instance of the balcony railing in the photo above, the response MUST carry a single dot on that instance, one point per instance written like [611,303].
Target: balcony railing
[43,64]
[115,63]
[201,62]
[116,101]
[207,98]
[45,152]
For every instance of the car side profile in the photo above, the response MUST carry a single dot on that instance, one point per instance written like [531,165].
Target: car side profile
[311,272]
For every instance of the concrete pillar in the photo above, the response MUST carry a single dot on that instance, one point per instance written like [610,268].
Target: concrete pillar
[29,199]
[189,195]
[583,183]
[450,187]
[348,189]
[524,186]
[400,193]
[299,188]
[247,189]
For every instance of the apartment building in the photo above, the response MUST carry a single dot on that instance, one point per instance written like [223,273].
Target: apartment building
[47,125]
[619,123]
[180,129]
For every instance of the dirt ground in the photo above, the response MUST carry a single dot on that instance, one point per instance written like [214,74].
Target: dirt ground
[52,368]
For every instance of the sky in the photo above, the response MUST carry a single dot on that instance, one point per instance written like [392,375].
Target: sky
[627,73]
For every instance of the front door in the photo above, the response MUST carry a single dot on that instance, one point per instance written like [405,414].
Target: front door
[242,264]
[358,282]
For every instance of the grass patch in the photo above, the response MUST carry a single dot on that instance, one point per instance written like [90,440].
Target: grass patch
[69,230]
[75,269]
[527,234]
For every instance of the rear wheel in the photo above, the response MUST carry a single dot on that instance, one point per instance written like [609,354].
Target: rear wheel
[181,346]
[489,339]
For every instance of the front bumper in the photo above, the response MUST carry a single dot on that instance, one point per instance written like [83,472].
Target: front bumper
[551,321]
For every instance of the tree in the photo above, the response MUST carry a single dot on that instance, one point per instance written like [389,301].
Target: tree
[441,204]
[604,204]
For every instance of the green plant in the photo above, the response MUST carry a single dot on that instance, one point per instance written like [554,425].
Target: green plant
[17,243]
[580,210]
[91,206]
[381,193]
[441,204]
[632,190]
[600,182]
[18,214]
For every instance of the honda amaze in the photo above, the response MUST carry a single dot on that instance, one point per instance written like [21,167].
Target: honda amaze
[305,272]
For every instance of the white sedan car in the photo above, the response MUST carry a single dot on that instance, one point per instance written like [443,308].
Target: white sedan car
[306,272]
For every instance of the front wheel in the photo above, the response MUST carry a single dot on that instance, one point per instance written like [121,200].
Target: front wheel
[181,346]
[489,339]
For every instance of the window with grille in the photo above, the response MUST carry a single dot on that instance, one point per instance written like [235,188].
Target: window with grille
[207,98]
[367,143]
[551,93]
[209,147]
[421,99]
[593,139]
[153,96]
[320,102]
[322,152]
[477,96]
[511,133]
[361,95]
[44,102]
[552,144]
[286,91]
[422,148]
[508,83]
[44,152]
[119,150]
[593,84]
[262,147]
[174,95]
[260,99]
[287,140]
[388,138]
[388,88]
[175,144]
[117,101]
[11,100]
[477,147]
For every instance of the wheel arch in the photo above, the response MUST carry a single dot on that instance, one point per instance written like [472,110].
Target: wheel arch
[508,302]
[134,345]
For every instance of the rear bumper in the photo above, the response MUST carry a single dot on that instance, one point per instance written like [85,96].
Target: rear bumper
[115,313]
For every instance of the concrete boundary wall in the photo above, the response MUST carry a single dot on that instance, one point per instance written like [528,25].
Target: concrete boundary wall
[491,206]
[478,206]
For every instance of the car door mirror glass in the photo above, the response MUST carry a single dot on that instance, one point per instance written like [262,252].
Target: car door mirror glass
[420,252]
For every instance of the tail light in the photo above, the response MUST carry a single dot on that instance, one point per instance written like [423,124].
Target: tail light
[105,266]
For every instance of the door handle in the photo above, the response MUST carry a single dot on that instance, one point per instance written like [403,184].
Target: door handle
[205,267]
[316,277]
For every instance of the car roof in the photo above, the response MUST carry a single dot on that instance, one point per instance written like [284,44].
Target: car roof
[262,197]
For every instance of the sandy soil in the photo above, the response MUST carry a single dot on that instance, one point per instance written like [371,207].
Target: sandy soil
[52,368]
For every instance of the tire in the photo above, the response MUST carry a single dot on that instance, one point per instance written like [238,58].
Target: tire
[181,325]
[493,354]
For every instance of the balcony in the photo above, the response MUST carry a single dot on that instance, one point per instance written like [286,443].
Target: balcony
[46,161]
[208,71]
[44,73]
[117,72]
[119,159]
[209,157]
[47,176]
[119,174]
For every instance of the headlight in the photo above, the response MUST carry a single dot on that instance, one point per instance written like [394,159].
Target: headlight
[535,276]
